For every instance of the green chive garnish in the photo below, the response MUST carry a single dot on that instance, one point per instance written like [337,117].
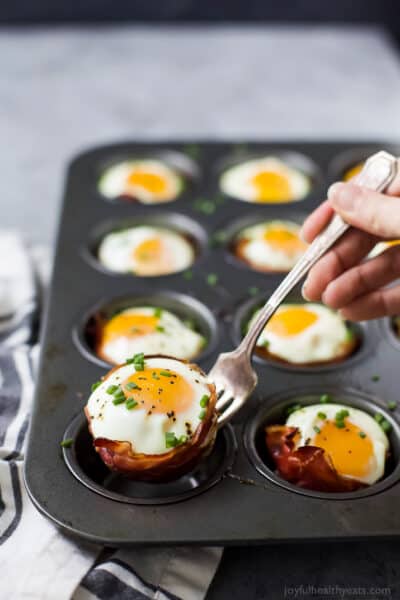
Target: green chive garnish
[165,373]
[95,385]
[293,408]
[362,435]
[131,385]
[392,405]
[204,400]
[340,424]
[385,425]
[157,312]
[170,440]
[160,328]
[155,376]
[378,417]
[188,275]
[316,429]
[325,398]
[321,415]
[131,403]
[182,439]
[253,290]
[375,378]
[112,389]
[202,413]
[67,443]
[119,400]
[212,279]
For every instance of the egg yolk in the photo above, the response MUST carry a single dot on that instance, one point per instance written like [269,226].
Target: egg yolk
[271,186]
[353,171]
[283,239]
[128,325]
[159,391]
[151,182]
[150,250]
[350,453]
[291,321]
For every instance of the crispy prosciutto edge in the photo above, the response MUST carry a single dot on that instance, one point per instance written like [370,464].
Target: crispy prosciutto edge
[308,467]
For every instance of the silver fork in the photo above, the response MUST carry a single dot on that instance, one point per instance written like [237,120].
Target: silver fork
[232,373]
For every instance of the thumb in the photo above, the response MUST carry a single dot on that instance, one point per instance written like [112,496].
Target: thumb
[367,210]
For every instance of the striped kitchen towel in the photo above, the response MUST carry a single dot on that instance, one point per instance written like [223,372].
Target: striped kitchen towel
[37,561]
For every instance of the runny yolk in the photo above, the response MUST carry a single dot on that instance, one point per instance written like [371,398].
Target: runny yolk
[271,187]
[353,171]
[151,182]
[283,239]
[351,454]
[160,393]
[128,325]
[291,321]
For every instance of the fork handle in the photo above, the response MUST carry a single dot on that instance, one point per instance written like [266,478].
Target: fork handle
[378,172]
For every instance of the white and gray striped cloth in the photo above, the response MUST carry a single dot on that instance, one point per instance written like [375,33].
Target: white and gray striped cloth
[37,561]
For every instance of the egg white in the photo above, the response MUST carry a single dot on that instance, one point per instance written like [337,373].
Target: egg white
[117,248]
[113,182]
[236,181]
[306,418]
[263,255]
[324,340]
[177,339]
[145,432]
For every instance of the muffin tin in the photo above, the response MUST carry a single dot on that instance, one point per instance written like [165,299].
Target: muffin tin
[234,496]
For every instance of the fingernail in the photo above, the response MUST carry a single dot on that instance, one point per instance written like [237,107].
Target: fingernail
[301,236]
[304,291]
[342,195]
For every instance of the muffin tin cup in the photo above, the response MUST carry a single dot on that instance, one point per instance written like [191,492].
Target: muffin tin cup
[183,306]
[273,412]
[87,467]
[73,487]
[247,309]
[190,229]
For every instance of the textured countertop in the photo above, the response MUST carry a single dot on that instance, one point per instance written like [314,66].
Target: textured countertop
[66,89]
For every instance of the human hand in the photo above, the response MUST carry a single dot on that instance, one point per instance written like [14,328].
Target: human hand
[341,279]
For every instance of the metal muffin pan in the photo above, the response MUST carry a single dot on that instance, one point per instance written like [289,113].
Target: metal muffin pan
[241,500]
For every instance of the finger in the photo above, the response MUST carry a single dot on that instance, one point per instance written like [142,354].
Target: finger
[376,304]
[317,221]
[363,279]
[394,187]
[370,211]
[346,253]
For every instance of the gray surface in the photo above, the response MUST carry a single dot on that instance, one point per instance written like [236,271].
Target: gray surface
[65,89]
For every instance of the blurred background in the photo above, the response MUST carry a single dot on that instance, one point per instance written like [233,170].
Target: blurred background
[77,74]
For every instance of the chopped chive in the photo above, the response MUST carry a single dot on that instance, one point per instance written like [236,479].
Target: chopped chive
[160,328]
[67,443]
[392,405]
[204,400]
[362,435]
[157,313]
[340,424]
[136,359]
[321,415]
[131,403]
[182,439]
[385,425]
[155,376]
[316,429]
[112,389]
[188,275]
[131,385]
[325,398]
[166,373]
[212,279]
[139,366]
[170,440]
[219,237]
[375,378]
[202,414]
[190,324]
[342,414]
[205,206]
[95,385]
[253,290]
[119,400]
[378,417]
